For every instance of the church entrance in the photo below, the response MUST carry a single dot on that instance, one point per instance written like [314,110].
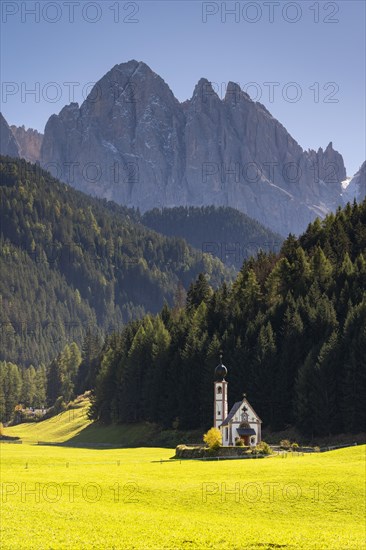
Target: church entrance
[245,432]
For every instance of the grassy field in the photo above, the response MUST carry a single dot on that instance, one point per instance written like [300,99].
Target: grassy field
[62,497]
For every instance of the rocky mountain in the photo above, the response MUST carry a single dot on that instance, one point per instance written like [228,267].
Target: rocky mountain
[355,187]
[362,182]
[30,142]
[133,142]
[8,144]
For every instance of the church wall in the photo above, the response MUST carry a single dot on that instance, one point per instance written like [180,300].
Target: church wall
[232,428]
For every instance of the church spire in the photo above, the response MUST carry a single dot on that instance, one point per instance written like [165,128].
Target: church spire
[220,394]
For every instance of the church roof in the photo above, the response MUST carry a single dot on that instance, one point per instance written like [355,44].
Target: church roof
[253,410]
[245,431]
[234,409]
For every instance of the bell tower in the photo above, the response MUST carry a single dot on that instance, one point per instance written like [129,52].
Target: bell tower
[220,394]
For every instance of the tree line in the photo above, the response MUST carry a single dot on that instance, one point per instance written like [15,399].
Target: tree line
[70,374]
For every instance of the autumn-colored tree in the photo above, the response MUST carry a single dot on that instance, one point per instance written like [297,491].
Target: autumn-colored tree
[213,438]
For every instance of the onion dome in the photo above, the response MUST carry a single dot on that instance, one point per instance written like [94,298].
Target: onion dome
[220,371]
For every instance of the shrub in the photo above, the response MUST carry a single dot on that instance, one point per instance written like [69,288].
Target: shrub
[294,446]
[285,444]
[263,448]
[213,438]
[1,429]
[239,442]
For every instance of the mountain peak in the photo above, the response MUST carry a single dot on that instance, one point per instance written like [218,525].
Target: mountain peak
[203,90]
[194,153]
[135,66]
[234,92]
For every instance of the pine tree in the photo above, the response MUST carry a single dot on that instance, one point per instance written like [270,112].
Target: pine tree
[11,386]
[206,381]
[54,381]
[28,386]
[263,373]
[324,405]
[198,292]
[40,390]
[293,345]
[354,357]
[321,268]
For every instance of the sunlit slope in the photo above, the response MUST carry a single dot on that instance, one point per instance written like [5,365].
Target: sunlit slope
[57,429]
[74,427]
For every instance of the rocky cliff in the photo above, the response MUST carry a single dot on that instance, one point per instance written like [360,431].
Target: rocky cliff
[361,181]
[355,187]
[30,142]
[133,142]
[8,143]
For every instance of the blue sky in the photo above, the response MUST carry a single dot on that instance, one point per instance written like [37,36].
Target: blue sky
[313,53]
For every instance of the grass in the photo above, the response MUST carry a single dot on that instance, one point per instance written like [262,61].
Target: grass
[58,429]
[123,499]
[73,427]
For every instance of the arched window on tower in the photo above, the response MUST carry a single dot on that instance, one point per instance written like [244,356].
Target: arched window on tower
[219,389]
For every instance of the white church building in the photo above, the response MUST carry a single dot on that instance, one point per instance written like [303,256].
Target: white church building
[241,422]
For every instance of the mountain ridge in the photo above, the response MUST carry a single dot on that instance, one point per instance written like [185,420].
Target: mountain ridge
[194,153]
[133,142]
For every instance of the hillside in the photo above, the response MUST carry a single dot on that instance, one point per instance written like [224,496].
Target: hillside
[72,427]
[69,261]
[293,332]
[224,232]
[57,429]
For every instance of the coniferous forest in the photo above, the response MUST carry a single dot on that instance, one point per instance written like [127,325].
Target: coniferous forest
[70,263]
[291,326]
[221,231]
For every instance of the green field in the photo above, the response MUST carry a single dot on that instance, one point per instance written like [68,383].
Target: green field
[62,497]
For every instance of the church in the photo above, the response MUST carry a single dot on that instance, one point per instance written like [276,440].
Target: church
[241,422]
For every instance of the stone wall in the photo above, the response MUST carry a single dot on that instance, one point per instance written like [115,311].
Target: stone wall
[183,451]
